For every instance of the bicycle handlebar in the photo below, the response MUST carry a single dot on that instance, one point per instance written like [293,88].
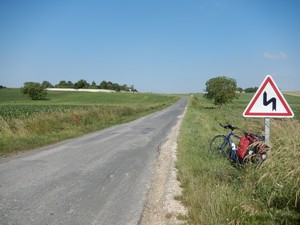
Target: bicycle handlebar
[228,126]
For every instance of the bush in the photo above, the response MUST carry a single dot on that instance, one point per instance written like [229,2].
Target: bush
[34,91]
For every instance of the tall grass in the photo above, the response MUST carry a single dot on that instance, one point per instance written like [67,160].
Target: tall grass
[278,179]
[44,128]
[216,192]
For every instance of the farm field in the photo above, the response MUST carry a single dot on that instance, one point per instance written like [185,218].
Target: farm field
[217,192]
[294,93]
[28,124]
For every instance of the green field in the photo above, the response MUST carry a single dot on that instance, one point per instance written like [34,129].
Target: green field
[26,124]
[217,192]
[13,103]
[14,96]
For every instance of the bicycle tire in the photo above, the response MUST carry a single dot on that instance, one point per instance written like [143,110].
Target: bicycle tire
[219,146]
[254,159]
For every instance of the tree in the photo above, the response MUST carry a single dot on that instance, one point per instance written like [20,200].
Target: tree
[47,84]
[70,84]
[103,85]
[81,84]
[34,90]
[124,87]
[109,85]
[62,84]
[251,89]
[93,85]
[221,90]
[132,89]
[116,87]
[240,90]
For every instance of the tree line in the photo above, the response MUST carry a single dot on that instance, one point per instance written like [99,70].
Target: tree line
[221,90]
[85,85]
[37,91]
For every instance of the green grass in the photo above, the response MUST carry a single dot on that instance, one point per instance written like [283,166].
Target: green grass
[26,124]
[215,192]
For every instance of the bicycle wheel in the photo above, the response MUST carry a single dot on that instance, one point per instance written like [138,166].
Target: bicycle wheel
[219,145]
[254,159]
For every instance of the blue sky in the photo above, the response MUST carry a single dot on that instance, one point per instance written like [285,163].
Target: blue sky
[165,46]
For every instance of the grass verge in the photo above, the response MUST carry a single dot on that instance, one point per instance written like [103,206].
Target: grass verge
[215,192]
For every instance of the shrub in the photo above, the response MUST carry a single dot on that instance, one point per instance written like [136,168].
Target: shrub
[34,90]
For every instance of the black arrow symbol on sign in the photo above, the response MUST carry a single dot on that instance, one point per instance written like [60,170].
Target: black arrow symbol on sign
[267,102]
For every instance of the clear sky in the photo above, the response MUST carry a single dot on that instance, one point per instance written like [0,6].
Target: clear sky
[165,46]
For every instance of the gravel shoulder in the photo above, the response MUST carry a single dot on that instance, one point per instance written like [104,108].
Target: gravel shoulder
[161,207]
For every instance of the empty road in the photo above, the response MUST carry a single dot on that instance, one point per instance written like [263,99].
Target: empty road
[100,178]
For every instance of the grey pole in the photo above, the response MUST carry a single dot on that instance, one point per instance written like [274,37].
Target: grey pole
[267,130]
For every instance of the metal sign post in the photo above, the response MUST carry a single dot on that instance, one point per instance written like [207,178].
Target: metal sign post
[267,130]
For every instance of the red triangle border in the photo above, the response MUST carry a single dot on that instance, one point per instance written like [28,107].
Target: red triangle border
[267,80]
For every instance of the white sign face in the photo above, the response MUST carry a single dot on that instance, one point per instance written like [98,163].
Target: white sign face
[268,101]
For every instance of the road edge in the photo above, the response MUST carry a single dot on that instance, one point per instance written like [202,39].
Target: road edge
[161,206]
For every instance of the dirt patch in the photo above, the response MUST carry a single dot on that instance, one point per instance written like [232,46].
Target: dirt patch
[161,207]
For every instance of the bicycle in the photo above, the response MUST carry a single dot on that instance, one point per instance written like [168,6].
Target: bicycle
[224,145]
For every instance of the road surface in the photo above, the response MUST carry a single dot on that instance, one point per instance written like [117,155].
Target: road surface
[100,178]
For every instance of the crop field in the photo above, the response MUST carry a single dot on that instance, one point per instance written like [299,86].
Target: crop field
[22,111]
[294,93]
[14,105]
[217,192]
[26,124]
[14,97]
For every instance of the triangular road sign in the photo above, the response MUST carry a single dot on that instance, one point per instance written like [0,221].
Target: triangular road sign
[268,101]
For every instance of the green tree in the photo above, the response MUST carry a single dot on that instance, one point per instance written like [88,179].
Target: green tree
[116,87]
[34,90]
[70,84]
[109,85]
[64,84]
[221,90]
[47,84]
[103,85]
[124,87]
[251,89]
[132,89]
[61,84]
[240,90]
[93,85]
[81,84]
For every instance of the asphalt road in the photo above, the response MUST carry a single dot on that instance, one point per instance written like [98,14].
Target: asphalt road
[100,178]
